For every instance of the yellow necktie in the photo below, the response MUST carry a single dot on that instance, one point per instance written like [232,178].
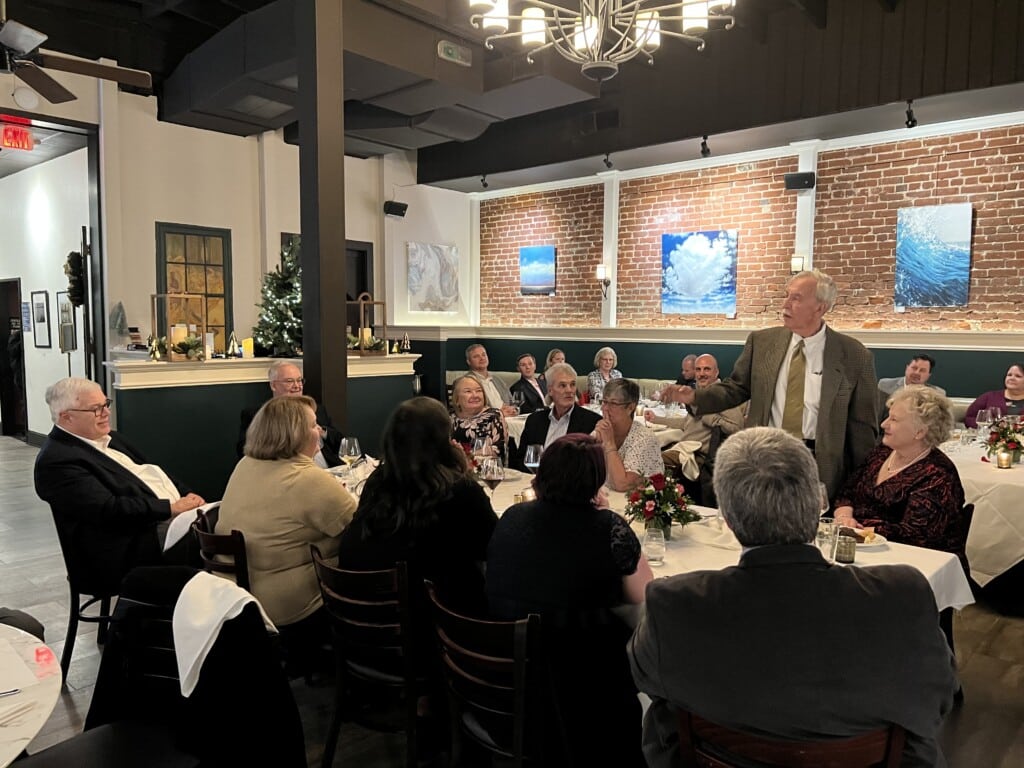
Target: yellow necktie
[793,413]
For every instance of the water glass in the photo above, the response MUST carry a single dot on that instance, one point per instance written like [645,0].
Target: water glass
[531,459]
[823,496]
[350,451]
[826,538]
[654,546]
[984,418]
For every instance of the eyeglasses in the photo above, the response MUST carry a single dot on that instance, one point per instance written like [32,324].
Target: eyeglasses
[616,402]
[291,382]
[96,410]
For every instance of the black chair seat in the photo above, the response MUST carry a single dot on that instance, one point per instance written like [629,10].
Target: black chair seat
[116,745]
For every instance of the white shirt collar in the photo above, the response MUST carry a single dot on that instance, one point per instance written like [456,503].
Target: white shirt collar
[100,444]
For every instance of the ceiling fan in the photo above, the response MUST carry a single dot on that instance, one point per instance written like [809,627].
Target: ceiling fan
[19,55]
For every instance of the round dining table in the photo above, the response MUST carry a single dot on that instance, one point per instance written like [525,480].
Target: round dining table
[30,682]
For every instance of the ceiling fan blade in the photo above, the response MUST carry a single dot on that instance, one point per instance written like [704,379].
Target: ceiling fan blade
[19,38]
[42,83]
[136,78]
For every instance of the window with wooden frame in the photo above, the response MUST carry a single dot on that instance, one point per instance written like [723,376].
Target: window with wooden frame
[196,261]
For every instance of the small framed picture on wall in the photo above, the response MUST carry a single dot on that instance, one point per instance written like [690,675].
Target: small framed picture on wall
[67,336]
[41,319]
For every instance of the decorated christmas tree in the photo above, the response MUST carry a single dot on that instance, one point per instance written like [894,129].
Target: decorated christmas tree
[279,328]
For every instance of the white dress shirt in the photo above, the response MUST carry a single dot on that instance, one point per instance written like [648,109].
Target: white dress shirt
[814,354]
[155,478]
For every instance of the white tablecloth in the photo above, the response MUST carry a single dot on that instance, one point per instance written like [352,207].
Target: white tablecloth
[29,665]
[702,546]
[995,542]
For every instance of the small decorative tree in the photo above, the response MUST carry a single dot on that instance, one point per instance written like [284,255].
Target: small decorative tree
[279,328]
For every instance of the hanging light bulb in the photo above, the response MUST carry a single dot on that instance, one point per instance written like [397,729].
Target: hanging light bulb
[496,19]
[648,30]
[695,18]
[533,26]
[585,36]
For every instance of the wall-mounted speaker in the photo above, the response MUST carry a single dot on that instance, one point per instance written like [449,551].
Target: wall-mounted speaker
[395,208]
[800,180]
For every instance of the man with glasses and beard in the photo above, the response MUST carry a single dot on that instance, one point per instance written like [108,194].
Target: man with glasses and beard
[110,505]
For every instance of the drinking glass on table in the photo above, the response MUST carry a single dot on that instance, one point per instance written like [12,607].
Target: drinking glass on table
[531,459]
[517,400]
[350,451]
[654,546]
[984,419]
[823,495]
[482,449]
[492,473]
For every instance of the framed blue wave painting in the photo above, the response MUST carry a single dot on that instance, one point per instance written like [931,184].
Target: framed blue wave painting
[698,273]
[933,256]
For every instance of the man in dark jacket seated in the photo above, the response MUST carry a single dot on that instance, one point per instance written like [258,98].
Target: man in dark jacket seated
[286,379]
[109,504]
[564,417]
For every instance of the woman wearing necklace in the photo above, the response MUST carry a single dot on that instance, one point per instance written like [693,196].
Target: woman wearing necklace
[1009,400]
[908,489]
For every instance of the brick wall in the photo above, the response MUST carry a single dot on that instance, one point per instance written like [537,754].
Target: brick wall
[859,193]
[572,221]
[750,198]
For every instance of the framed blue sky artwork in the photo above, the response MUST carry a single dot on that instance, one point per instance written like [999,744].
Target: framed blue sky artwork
[698,273]
[537,270]
[933,256]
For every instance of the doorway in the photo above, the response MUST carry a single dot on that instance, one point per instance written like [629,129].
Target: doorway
[13,407]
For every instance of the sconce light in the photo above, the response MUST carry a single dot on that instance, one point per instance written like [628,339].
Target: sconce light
[603,279]
[796,264]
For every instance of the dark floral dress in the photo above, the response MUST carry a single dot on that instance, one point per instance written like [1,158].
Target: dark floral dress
[489,423]
[922,505]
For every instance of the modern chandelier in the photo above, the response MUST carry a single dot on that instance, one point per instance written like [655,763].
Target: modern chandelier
[600,34]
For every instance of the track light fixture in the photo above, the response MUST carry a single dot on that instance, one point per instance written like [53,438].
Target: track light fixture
[483,181]
[911,119]
[705,150]
[608,160]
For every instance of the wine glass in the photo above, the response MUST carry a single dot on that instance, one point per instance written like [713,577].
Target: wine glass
[517,400]
[350,451]
[984,419]
[531,459]
[482,449]
[823,495]
[492,473]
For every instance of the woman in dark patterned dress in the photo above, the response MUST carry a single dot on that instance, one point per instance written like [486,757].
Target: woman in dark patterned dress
[908,489]
[472,419]
[571,562]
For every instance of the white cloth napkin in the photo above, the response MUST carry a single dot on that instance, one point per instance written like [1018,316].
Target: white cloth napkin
[180,524]
[708,534]
[205,603]
[686,450]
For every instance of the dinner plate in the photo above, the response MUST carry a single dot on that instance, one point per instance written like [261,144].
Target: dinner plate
[657,427]
[878,541]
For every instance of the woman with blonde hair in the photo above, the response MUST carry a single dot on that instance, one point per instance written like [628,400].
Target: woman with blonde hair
[472,419]
[283,502]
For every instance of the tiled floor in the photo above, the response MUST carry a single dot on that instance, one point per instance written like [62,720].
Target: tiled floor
[988,730]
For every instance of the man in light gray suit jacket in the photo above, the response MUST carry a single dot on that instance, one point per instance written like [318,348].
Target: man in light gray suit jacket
[770,645]
[839,418]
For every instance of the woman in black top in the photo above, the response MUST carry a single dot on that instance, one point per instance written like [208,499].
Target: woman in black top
[571,562]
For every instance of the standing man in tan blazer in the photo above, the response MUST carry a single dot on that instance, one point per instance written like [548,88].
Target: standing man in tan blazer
[829,401]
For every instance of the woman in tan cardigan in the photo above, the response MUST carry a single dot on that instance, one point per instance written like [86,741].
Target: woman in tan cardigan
[283,502]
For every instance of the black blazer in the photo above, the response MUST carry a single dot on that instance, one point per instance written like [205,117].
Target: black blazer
[106,517]
[531,400]
[536,430]
[332,441]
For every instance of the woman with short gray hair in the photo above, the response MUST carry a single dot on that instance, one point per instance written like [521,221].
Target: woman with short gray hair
[907,489]
[604,371]
[631,452]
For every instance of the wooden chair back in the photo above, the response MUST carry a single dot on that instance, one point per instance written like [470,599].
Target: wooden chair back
[371,623]
[222,552]
[490,673]
[710,745]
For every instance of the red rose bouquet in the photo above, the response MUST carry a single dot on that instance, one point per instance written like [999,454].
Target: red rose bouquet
[659,502]
[1005,435]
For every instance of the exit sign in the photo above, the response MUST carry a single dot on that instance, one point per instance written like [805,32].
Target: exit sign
[17,137]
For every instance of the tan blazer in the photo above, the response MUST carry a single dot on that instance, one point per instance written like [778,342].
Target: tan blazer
[847,416]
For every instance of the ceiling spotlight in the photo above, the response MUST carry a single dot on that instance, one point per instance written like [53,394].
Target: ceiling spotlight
[607,160]
[483,181]
[705,150]
[911,119]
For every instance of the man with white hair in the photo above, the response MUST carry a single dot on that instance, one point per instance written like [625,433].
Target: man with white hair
[817,384]
[785,644]
[109,504]
[286,379]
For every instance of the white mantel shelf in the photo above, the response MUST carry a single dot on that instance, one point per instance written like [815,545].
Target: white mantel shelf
[135,374]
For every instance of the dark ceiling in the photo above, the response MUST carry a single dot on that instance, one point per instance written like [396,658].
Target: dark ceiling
[229,65]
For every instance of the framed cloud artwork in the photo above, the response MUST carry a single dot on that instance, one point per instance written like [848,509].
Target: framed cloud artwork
[698,273]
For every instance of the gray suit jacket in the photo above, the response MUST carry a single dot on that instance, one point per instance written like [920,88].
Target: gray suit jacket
[769,645]
[847,414]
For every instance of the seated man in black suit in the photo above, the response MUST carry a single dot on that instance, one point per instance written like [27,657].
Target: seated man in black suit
[109,505]
[286,379]
[562,418]
[532,386]
[785,644]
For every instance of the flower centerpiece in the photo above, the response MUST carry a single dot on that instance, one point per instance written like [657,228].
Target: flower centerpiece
[659,502]
[1005,435]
